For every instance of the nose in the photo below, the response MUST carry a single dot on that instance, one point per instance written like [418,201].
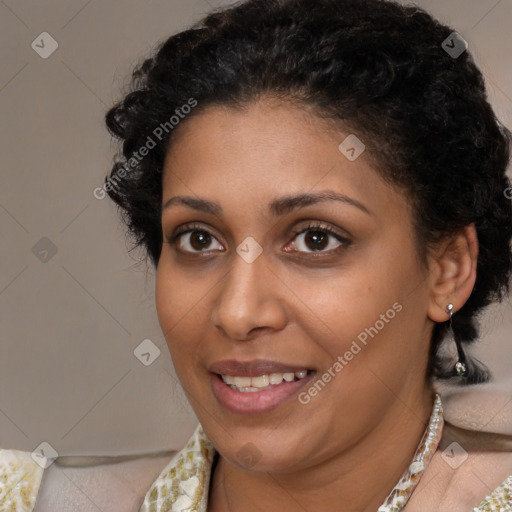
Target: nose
[249,299]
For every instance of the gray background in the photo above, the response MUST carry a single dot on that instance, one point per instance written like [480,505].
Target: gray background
[70,321]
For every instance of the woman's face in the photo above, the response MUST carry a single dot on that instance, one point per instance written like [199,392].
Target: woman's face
[240,285]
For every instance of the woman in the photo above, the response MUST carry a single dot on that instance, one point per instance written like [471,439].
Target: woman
[320,186]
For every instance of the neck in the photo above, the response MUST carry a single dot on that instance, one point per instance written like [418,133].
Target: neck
[359,478]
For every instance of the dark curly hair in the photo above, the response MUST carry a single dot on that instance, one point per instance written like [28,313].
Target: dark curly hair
[377,68]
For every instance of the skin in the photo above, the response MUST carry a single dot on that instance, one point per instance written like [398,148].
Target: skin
[351,443]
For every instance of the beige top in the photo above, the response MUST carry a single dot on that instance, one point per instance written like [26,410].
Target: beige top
[183,484]
[453,479]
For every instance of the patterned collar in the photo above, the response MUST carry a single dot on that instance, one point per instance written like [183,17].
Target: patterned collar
[402,491]
[20,479]
[183,484]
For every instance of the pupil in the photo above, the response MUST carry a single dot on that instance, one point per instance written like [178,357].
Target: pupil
[202,238]
[317,237]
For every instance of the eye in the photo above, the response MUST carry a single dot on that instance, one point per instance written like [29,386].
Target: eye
[315,238]
[197,239]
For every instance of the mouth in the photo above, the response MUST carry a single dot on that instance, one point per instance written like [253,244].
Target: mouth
[258,394]
[262,382]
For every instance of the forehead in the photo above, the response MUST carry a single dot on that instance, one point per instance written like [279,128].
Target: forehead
[244,157]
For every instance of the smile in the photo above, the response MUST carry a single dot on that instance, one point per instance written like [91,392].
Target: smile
[258,385]
[261,382]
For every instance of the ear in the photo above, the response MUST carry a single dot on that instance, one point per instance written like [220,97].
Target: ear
[452,273]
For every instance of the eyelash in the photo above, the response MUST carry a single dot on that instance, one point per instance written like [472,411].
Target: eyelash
[314,226]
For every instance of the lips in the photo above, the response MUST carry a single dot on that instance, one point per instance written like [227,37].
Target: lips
[254,368]
[255,397]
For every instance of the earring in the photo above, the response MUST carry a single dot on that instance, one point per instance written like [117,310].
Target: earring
[460,369]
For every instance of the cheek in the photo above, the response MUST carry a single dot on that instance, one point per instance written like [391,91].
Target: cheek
[364,309]
[182,313]
[163,297]
[175,296]
[172,304]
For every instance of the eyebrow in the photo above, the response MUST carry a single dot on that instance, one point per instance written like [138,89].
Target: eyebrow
[277,207]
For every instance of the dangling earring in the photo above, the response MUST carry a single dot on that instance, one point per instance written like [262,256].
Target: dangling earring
[460,369]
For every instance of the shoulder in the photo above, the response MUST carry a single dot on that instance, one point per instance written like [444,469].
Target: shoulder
[501,497]
[469,471]
[90,483]
[20,480]
[184,482]
[117,484]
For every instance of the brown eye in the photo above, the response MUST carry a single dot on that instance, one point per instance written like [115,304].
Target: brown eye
[318,238]
[197,240]
[192,239]
[312,239]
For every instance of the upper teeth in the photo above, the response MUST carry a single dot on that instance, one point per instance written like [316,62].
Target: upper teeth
[262,381]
